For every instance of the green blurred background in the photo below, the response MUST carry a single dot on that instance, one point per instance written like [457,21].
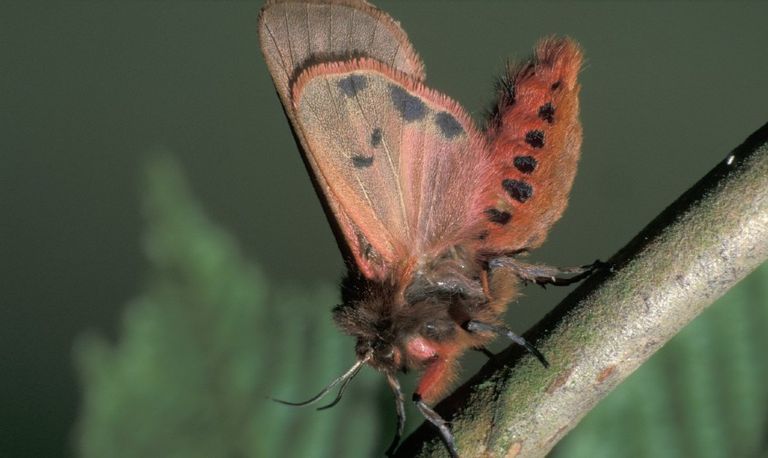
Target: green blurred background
[106,107]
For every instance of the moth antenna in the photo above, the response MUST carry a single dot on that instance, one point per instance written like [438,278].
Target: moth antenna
[400,405]
[479,326]
[343,378]
[341,389]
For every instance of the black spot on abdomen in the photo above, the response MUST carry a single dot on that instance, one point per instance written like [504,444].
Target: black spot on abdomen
[497,216]
[410,107]
[535,138]
[518,190]
[361,162]
[352,84]
[376,137]
[448,125]
[525,164]
[547,112]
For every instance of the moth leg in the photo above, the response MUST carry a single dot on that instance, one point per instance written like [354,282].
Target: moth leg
[544,275]
[438,421]
[479,326]
[400,404]
[430,387]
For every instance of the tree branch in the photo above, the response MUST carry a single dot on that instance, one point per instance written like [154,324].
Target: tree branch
[690,255]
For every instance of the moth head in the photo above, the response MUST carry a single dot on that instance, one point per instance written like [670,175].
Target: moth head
[369,316]
[397,332]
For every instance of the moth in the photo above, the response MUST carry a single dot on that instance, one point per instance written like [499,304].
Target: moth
[433,214]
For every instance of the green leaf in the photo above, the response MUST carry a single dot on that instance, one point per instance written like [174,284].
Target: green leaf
[206,343]
[701,395]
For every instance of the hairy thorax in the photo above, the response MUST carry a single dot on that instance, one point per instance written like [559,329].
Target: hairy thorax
[415,320]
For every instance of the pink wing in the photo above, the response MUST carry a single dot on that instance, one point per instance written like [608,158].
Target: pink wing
[296,34]
[403,162]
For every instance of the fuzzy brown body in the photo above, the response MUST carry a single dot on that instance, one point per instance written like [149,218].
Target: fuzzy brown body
[415,321]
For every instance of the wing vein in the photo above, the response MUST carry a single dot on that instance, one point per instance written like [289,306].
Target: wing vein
[394,56]
[350,27]
[395,173]
[330,32]
[332,97]
[288,34]
[274,41]
[373,35]
[306,22]
[421,191]
[432,192]
[399,166]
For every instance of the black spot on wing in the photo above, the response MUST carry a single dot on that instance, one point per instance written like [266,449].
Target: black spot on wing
[525,164]
[411,108]
[518,190]
[535,138]
[498,216]
[361,162]
[547,112]
[448,125]
[352,84]
[556,85]
[376,137]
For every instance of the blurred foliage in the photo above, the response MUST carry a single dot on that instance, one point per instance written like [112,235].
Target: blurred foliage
[704,394]
[210,338]
[205,344]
